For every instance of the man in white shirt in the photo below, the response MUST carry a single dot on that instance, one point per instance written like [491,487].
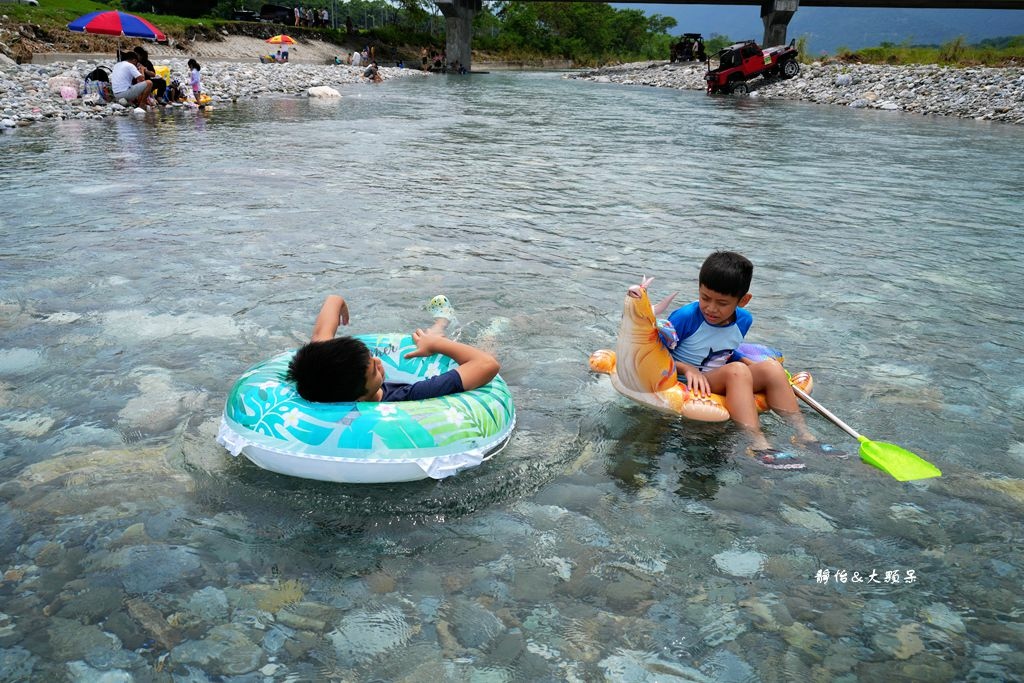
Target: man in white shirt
[128,82]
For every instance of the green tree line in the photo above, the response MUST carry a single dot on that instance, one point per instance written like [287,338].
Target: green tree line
[585,32]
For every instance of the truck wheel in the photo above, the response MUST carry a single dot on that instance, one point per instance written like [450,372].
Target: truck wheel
[739,89]
[790,68]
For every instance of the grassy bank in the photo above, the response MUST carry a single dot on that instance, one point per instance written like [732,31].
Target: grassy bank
[998,52]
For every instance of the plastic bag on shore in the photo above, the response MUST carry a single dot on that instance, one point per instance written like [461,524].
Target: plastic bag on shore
[57,82]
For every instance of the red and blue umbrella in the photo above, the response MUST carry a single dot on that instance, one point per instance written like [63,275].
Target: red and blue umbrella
[114,23]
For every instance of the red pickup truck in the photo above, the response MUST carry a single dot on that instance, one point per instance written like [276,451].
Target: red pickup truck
[730,68]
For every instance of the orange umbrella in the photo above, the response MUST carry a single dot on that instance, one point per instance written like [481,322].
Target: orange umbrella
[281,39]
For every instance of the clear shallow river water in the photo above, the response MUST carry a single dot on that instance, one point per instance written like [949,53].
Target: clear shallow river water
[148,262]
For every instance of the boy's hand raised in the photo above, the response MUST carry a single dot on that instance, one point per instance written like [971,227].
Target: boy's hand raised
[333,311]
[424,344]
[476,367]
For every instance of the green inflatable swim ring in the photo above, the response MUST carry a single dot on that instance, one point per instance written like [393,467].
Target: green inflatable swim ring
[266,420]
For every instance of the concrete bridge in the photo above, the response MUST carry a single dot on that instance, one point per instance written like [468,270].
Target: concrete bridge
[775,14]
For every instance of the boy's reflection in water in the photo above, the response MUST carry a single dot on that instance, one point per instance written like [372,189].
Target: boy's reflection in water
[648,446]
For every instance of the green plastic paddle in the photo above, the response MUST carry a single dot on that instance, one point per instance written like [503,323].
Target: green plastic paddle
[888,457]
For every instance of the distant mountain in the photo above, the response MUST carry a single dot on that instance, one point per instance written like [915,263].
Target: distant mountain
[828,28]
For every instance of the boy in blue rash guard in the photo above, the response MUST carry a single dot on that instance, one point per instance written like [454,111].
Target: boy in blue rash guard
[709,330]
[331,370]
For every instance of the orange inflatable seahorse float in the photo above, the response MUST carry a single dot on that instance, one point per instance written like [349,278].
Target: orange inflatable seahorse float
[641,368]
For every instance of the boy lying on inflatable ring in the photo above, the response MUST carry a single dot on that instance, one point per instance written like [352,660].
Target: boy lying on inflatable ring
[332,370]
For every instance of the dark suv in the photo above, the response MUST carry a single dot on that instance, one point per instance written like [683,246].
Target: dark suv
[731,68]
[277,14]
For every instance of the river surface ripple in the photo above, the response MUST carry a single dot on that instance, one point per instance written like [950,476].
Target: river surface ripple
[148,261]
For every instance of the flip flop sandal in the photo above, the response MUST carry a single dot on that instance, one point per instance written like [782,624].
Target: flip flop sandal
[776,459]
[440,307]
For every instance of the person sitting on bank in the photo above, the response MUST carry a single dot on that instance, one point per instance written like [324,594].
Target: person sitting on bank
[127,82]
[332,370]
[373,73]
[149,71]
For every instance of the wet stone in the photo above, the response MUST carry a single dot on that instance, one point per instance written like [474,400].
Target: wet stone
[133,535]
[805,640]
[224,651]
[80,671]
[299,622]
[93,604]
[720,624]
[126,630]
[72,640]
[626,592]
[837,622]
[148,568]
[106,659]
[159,526]
[473,625]
[641,667]
[571,496]
[928,667]
[536,584]
[999,633]
[209,604]
[16,665]
[364,634]
[300,644]
[739,563]
[724,666]
[508,648]
[12,532]
[276,637]
[904,643]
[942,617]
[10,490]
[152,622]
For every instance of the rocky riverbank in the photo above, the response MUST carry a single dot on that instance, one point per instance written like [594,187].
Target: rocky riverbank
[31,92]
[981,93]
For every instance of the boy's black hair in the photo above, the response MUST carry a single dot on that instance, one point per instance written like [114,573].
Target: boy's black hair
[727,272]
[330,371]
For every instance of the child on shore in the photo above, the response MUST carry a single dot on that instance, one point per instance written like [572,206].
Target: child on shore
[709,330]
[330,370]
[195,79]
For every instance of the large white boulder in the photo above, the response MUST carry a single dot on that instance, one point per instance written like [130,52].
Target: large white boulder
[323,91]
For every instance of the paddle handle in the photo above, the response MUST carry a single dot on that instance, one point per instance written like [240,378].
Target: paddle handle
[825,412]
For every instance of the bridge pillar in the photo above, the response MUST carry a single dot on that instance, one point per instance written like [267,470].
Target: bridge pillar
[458,16]
[776,15]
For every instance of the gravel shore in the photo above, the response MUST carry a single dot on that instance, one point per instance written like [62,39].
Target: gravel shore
[980,93]
[31,92]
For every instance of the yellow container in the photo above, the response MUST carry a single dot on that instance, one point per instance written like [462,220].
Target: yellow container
[163,72]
